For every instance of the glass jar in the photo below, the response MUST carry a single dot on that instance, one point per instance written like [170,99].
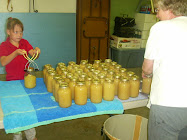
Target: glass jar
[82,77]
[117,68]
[107,62]
[112,65]
[146,84]
[88,84]
[116,83]
[47,74]
[123,72]
[64,95]
[110,74]
[88,66]
[96,92]
[124,89]
[102,78]
[57,83]
[59,65]
[130,74]
[68,77]
[30,78]
[72,85]
[134,86]
[54,81]
[81,93]
[108,89]
[50,81]
[47,66]
[71,63]
[83,64]
[96,63]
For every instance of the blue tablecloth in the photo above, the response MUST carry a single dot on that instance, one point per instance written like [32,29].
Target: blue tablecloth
[27,108]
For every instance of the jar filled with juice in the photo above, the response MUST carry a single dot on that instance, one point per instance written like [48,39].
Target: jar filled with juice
[130,74]
[134,86]
[124,89]
[57,83]
[68,77]
[96,92]
[81,94]
[30,78]
[96,64]
[54,81]
[83,64]
[146,84]
[116,82]
[64,95]
[47,66]
[107,62]
[108,89]
[72,84]
[47,74]
[88,83]
[112,65]
[50,81]
[123,72]
[110,74]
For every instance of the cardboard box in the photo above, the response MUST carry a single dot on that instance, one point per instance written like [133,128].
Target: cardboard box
[120,42]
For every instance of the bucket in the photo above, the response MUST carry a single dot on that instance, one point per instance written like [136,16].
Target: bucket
[125,127]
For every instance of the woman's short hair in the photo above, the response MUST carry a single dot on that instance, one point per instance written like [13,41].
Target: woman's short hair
[178,7]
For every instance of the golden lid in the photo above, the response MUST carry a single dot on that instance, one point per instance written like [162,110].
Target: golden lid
[117,76]
[73,79]
[71,63]
[130,73]
[89,78]
[123,70]
[63,85]
[97,61]
[134,77]
[124,79]
[47,65]
[84,62]
[60,81]
[109,80]
[69,75]
[52,73]
[61,64]
[96,81]
[111,72]
[118,66]
[113,63]
[80,82]
[108,60]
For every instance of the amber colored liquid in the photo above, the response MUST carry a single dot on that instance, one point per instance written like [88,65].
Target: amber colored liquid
[96,93]
[116,83]
[146,85]
[44,73]
[64,96]
[134,88]
[30,81]
[80,94]
[55,91]
[82,66]
[72,87]
[88,84]
[49,84]
[124,90]
[108,91]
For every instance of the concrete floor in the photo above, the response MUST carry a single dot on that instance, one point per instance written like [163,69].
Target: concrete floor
[78,129]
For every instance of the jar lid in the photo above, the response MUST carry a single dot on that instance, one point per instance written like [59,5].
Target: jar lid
[63,85]
[97,61]
[124,79]
[96,81]
[83,75]
[52,73]
[135,77]
[80,82]
[61,64]
[71,63]
[118,66]
[89,78]
[47,65]
[84,62]
[60,81]
[113,63]
[111,72]
[123,70]
[130,73]
[69,75]
[117,76]
[56,76]
[108,60]
[101,75]
[30,69]
[96,72]
[109,80]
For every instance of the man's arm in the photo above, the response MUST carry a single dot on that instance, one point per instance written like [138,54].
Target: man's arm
[147,67]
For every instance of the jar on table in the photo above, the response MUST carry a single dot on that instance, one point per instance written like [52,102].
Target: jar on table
[61,69]
[81,93]
[88,66]
[47,74]
[59,65]
[112,65]
[30,78]
[130,74]
[50,81]
[88,82]
[117,68]
[83,64]
[82,77]
[146,84]
[71,63]
[96,63]
[57,83]
[107,62]
[46,67]
[110,74]
[116,82]
[102,78]
[123,72]
[134,86]
[54,81]
[101,66]
[64,95]
[72,85]
[96,92]
[108,89]
[124,89]
[90,72]
[105,70]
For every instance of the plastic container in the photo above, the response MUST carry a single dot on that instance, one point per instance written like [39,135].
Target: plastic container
[125,127]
